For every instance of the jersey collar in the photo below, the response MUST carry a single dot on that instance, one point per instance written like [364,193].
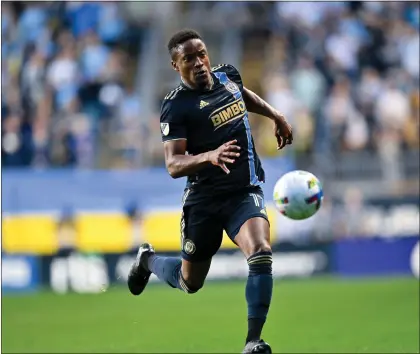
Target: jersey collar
[188,87]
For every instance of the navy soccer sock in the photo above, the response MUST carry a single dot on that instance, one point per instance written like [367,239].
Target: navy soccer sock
[258,292]
[168,269]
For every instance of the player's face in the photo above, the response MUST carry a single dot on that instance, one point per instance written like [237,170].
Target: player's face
[192,62]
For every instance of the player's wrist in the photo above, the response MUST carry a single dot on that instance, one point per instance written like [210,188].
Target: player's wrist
[207,157]
[278,117]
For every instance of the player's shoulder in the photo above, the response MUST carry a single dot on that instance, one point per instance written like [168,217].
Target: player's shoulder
[174,100]
[227,68]
[230,71]
[174,94]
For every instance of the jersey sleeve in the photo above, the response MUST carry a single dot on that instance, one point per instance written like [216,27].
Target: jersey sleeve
[172,122]
[232,73]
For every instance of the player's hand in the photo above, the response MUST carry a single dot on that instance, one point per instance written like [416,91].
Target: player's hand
[224,154]
[283,132]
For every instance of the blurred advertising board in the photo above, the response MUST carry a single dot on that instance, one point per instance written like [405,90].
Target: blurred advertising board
[71,270]
[377,256]
[19,273]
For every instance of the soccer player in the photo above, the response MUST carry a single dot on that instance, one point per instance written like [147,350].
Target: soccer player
[207,137]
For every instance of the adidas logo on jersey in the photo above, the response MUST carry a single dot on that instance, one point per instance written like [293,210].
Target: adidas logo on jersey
[203,104]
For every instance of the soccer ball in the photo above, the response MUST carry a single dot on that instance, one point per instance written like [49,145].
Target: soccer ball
[298,195]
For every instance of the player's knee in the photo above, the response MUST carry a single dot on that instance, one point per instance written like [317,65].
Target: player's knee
[260,261]
[190,286]
[263,246]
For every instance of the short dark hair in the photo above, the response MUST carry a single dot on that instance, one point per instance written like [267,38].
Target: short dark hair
[181,37]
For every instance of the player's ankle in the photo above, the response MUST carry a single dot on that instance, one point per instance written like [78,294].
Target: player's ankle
[255,326]
[251,339]
[146,261]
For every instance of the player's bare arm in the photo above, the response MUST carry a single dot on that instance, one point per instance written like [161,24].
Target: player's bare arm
[179,164]
[282,129]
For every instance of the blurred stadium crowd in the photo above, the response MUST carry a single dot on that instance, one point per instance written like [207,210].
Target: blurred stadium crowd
[345,74]
[59,58]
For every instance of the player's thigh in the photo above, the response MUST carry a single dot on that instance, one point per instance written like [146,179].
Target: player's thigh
[247,222]
[201,237]
[254,236]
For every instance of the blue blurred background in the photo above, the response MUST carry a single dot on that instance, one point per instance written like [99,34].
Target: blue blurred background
[82,160]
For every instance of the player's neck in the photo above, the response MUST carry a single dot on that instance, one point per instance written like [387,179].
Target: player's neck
[208,87]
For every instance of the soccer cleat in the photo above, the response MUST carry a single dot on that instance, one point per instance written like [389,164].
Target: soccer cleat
[257,346]
[139,275]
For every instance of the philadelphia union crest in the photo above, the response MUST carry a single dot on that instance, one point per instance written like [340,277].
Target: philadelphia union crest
[232,87]
[189,247]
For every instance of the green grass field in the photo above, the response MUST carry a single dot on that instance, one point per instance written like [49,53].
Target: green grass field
[307,316]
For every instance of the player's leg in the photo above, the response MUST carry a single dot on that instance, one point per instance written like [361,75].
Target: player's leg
[179,273]
[253,240]
[201,238]
[248,227]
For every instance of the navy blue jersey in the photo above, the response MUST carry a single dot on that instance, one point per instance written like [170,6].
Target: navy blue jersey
[207,119]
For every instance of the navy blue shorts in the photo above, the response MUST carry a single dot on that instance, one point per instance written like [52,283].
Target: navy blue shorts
[202,224]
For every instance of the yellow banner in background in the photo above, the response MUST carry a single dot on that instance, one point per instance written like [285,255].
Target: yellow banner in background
[99,232]
[103,233]
[29,234]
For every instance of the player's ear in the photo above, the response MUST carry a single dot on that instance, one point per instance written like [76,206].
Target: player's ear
[175,65]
